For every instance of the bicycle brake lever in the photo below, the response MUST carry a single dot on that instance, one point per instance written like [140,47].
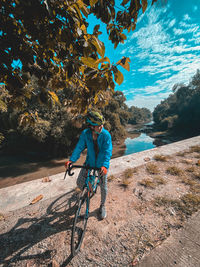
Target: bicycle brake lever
[70,169]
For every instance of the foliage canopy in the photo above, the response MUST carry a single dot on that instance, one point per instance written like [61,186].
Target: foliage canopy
[180,112]
[49,40]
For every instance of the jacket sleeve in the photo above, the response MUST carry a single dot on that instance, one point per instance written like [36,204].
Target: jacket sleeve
[81,145]
[107,151]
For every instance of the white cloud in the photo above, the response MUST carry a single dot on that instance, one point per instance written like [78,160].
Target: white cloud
[186,17]
[156,52]
[145,101]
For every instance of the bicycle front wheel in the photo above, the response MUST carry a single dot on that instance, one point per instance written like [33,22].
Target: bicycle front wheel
[80,222]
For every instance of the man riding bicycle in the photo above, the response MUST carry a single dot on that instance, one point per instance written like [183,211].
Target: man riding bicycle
[98,142]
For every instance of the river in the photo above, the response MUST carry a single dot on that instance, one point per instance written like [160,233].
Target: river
[141,143]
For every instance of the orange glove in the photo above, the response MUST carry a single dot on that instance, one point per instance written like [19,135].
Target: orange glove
[104,170]
[67,163]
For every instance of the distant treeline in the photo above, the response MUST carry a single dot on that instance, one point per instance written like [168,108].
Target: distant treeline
[57,129]
[180,112]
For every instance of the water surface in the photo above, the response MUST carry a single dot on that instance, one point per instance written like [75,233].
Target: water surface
[141,143]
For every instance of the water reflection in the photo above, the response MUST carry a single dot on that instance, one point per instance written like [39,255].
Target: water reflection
[141,143]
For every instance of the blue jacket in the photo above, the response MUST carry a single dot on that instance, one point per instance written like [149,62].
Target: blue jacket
[86,141]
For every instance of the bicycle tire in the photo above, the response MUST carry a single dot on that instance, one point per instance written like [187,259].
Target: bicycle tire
[80,222]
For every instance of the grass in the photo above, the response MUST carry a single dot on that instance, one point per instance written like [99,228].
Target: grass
[160,157]
[187,161]
[159,180]
[195,149]
[173,170]
[185,206]
[128,173]
[148,183]
[152,168]
[197,175]
[188,181]
[111,178]
[125,182]
[181,154]
[191,169]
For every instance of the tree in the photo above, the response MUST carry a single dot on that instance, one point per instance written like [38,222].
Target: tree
[50,42]
[180,112]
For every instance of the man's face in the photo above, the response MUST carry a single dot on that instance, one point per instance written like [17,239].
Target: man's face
[96,129]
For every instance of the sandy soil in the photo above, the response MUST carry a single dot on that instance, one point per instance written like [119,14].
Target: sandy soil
[144,205]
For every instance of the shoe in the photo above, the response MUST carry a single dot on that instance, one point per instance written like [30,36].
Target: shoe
[102,212]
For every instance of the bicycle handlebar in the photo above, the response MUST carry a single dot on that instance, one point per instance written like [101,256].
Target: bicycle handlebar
[70,167]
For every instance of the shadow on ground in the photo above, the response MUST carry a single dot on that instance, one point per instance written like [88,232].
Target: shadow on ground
[25,241]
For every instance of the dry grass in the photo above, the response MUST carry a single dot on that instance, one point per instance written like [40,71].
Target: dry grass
[191,169]
[197,175]
[195,188]
[184,206]
[181,154]
[152,168]
[160,157]
[195,149]
[173,170]
[188,181]
[128,173]
[187,161]
[111,178]
[148,183]
[125,182]
[159,180]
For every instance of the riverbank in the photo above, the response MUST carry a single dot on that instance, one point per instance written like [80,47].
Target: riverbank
[147,204]
[18,169]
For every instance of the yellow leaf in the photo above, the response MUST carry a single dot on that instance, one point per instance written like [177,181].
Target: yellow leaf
[124,62]
[102,60]
[90,62]
[78,10]
[35,200]
[118,77]
[99,46]
[144,5]
[83,28]
[93,2]
[96,99]
[54,97]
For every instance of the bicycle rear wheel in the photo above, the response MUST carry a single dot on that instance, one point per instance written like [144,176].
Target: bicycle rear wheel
[80,222]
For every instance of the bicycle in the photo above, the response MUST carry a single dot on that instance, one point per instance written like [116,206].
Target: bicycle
[82,210]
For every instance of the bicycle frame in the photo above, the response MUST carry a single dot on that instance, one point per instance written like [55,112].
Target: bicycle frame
[90,179]
[80,220]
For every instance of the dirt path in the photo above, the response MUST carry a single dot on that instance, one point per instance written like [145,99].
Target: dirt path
[145,206]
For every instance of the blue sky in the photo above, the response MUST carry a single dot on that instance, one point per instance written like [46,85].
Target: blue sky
[164,50]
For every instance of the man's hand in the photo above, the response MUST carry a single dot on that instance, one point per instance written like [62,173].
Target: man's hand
[103,170]
[67,163]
